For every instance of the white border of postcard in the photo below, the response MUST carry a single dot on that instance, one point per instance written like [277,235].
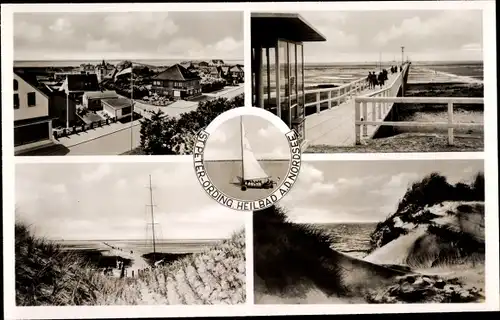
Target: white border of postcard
[489,155]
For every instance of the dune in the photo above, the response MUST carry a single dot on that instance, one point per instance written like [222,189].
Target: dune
[46,275]
[296,264]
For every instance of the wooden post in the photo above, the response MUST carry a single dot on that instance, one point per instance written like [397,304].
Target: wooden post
[330,99]
[374,111]
[318,105]
[450,123]
[380,111]
[365,117]
[357,127]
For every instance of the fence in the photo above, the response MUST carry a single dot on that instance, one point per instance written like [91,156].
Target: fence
[381,103]
[82,128]
[343,93]
[338,94]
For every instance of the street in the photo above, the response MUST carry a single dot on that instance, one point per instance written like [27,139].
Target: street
[118,142]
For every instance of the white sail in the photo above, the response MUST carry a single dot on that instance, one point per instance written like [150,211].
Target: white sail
[252,169]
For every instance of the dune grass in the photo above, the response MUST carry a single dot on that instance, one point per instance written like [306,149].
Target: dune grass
[288,255]
[46,275]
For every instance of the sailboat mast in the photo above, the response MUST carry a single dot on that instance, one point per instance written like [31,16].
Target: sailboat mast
[152,218]
[242,166]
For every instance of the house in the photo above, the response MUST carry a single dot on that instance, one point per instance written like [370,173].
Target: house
[203,64]
[76,85]
[215,72]
[177,82]
[86,68]
[117,107]
[103,70]
[92,99]
[32,120]
[235,74]
[216,63]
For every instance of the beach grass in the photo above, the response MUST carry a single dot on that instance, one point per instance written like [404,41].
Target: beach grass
[407,142]
[47,275]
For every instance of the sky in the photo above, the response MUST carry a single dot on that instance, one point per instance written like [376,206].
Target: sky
[266,140]
[428,35]
[128,35]
[108,201]
[363,191]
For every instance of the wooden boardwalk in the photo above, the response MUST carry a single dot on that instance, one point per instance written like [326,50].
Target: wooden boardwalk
[335,127]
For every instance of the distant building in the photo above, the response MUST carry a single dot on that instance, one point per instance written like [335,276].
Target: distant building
[203,64]
[32,120]
[215,72]
[78,84]
[117,107]
[87,68]
[216,63]
[177,82]
[103,70]
[236,74]
[92,99]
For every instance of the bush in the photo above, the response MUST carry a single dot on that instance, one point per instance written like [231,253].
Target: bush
[164,135]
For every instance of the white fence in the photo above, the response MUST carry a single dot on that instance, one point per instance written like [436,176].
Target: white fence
[382,104]
[338,94]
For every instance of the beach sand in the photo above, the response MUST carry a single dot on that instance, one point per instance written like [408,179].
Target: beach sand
[223,173]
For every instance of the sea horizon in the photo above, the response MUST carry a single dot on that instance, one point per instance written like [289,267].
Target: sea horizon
[77,62]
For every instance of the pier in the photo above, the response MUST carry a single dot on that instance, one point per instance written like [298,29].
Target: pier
[335,126]
[359,112]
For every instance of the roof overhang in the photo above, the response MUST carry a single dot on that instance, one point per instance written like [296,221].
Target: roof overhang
[268,27]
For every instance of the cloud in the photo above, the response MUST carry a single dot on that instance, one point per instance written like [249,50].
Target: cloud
[102,45]
[95,175]
[25,30]
[62,26]
[310,183]
[150,25]
[472,47]
[59,188]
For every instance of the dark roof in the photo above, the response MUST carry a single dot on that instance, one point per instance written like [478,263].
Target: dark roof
[31,79]
[117,103]
[177,73]
[27,122]
[83,82]
[289,26]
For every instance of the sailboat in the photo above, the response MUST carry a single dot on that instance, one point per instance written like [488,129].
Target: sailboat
[252,173]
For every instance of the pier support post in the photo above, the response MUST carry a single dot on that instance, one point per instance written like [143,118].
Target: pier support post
[450,123]
[357,126]
[365,117]
[329,99]
[374,111]
[318,104]
[380,112]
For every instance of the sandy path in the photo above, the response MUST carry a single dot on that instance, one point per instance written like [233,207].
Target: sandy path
[138,262]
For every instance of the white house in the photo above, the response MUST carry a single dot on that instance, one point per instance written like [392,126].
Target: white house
[32,122]
[117,107]
[92,99]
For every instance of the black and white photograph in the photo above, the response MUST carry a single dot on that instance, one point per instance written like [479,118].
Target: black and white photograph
[373,81]
[247,157]
[102,83]
[124,234]
[374,232]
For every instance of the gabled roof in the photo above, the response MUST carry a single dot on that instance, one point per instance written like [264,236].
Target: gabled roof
[177,73]
[32,81]
[82,82]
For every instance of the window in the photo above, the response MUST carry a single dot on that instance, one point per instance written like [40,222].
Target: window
[16,85]
[31,99]
[16,101]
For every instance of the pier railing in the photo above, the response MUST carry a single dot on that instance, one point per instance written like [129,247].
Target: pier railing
[328,97]
[336,95]
[380,105]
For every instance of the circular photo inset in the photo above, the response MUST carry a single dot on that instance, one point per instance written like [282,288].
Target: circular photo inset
[247,162]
